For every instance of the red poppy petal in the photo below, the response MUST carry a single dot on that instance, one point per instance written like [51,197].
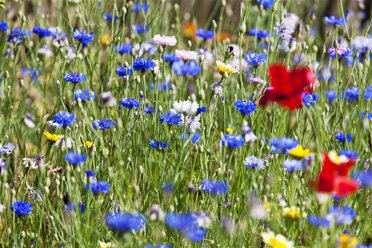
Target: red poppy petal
[292,102]
[280,79]
[344,186]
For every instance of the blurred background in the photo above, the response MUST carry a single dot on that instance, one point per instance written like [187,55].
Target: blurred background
[201,14]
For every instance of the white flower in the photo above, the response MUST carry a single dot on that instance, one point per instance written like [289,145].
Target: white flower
[362,44]
[164,40]
[276,240]
[55,124]
[67,143]
[193,123]
[34,163]
[187,107]
[186,55]
[45,50]
[104,245]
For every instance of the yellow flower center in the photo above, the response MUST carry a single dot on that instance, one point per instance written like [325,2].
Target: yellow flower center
[276,243]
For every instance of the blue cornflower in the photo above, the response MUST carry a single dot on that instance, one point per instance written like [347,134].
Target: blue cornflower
[168,187]
[194,234]
[141,28]
[170,57]
[64,119]
[202,110]
[75,77]
[98,187]
[191,68]
[171,118]
[318,221]
[123,48]
[261,34]
[205,34]
[364,177]
[123,71]
[364,115]
[343,53]
[21,208]
[158,144]
[90,173]
[266,3]
[163,86]
[254,162]
[339,21]
[232,141]
[368,93]
[75,158]
[331,95]
[32,72]
[108,17]
[85,95]
[158,246]
[3,26]
[103,124]
[148,110]
[125,222]
[254,59]
[282,144]
[245,108]
[71,207]
[137,7]
[41,32]
[309,99]
[349,153]
[16,35]
[83,37]
[195,137]
[292,165]
[143,64]
[214,187]
[342,216]
[187,224]
[340,137]
[7,149]
[130,103]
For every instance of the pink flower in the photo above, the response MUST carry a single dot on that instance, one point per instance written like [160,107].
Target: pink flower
[164,40]
[256,80]
[186,55]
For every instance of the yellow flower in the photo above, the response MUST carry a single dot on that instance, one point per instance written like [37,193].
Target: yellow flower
[226,68]
[291,212]
[276,241]
[104,245]
[105,39]
[299,152]
[333,156]
[267,207]
[90,145]
[53,137]
[346,241]
[229,130]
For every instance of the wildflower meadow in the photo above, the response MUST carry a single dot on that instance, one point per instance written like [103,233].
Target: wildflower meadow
[185,124]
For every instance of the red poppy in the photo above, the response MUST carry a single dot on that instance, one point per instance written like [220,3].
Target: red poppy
[333,178]
[287,87]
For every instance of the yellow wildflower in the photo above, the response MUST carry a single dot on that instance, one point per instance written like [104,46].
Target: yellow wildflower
[104,245]
[90,145]
[291,212]
[333,156]
[276,241]
[229,130]
[346,241]
[53,137]
[105,39]
[299,152]
[226,68]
